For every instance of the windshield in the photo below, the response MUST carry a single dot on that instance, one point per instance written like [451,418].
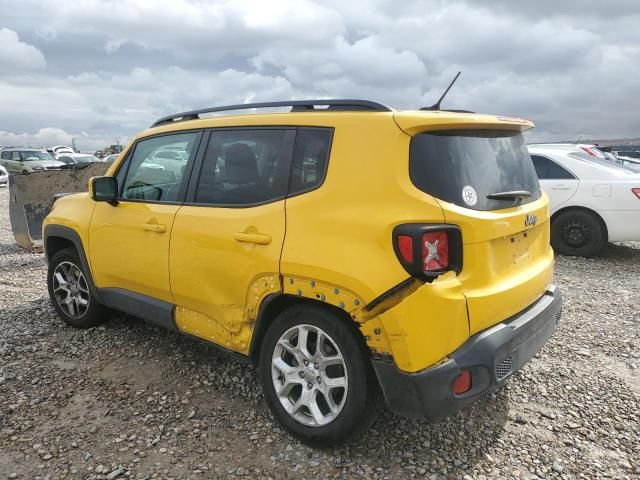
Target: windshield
[629,154]
[35,155]
[603,162]
[464,166]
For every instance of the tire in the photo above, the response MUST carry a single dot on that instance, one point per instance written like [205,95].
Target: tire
[65,266]
[354,407]
[577,233]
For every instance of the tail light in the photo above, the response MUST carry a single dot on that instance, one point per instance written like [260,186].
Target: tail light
[636,192]
[589,151]
[426,251]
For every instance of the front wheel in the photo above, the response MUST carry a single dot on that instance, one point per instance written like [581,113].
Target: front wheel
[577,232]
[316,377]
[70,292]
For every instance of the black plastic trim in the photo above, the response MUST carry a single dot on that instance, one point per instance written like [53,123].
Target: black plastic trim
[258,327]
[415,231]
[427,394]
[389,293]
[67,233]
[147,308]
[297,105]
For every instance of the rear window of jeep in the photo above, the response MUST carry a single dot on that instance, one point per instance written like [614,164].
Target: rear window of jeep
[464,166]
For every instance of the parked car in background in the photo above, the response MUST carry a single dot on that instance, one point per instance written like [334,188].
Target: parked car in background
[59,150]
[344,276]
[4,176]
[171,159]
[77,158]
[629,158]
[27,160]
[110,158]
[592,200]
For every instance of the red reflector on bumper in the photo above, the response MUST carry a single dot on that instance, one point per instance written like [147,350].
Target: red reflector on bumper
[462,383]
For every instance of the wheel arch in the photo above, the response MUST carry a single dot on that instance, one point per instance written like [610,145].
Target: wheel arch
[275,304]
[586,210]
[59,237]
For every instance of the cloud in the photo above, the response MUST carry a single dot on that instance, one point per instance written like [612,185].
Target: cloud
[113,67]
[16,56]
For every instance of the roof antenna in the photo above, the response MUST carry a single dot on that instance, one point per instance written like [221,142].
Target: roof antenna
[578,140]
[436,106]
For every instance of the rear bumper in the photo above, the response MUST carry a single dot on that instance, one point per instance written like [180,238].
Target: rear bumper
[491,355]
[622,225]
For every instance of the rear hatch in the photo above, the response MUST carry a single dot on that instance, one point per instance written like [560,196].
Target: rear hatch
[484,180]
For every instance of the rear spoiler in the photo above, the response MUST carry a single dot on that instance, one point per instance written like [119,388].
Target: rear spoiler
[414,122]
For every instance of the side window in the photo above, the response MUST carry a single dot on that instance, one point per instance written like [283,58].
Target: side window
[549,170]
[6,156]
[310,159]
[245,166]
[156,168]
[15,156]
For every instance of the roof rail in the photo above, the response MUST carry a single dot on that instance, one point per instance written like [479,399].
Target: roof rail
[296,106]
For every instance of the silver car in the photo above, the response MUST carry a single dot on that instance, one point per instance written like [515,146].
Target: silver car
[28,160]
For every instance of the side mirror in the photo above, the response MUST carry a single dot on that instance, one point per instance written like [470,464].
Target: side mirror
[104,189]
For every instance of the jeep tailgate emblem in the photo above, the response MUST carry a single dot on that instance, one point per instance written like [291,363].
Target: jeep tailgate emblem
[530,220]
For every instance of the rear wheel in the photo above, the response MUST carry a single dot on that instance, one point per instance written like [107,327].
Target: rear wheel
[71,293]
[577,232]
[316,377]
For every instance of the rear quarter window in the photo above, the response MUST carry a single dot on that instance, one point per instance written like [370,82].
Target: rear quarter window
[310,159]
[464,166]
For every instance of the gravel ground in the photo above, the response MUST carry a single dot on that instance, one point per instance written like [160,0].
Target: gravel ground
[131,400]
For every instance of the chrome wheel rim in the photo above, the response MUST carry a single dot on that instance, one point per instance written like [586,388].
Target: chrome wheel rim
[70,289]
[309,375]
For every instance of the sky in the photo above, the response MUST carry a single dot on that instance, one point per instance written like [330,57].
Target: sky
[100,71]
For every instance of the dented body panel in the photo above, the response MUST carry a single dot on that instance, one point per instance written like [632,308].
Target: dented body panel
[215,273]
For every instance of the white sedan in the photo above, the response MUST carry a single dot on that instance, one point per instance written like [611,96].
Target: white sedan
[4,176]
[592,201]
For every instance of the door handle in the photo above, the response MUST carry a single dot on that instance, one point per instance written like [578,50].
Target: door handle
[259,238]
[560,187]
[154,227]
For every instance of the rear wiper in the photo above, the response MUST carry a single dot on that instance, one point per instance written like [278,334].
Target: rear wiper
[513,195]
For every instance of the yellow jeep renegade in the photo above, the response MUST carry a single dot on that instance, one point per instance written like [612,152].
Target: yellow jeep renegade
[347,249]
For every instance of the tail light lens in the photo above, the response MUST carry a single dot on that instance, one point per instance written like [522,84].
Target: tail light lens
[588,150]
[435,251]
[426,251]
[636,192]
[405,247]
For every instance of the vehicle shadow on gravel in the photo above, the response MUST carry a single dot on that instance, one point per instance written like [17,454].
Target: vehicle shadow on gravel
[611,251]
[619,251]
[391,439]
[482,424]
[128,369]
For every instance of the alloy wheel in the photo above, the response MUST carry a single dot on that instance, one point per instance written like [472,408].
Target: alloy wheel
[71,290]
[309,375]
